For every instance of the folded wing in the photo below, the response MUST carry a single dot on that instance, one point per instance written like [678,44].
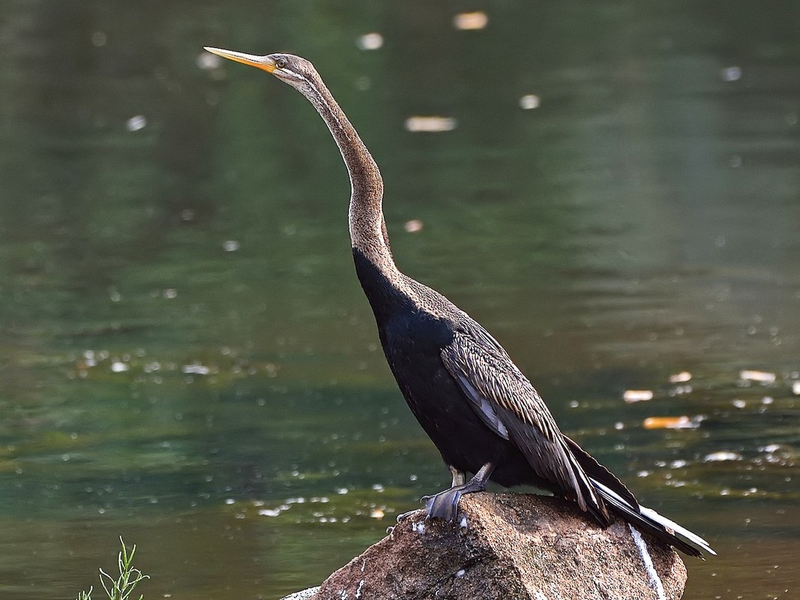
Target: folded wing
[509,405]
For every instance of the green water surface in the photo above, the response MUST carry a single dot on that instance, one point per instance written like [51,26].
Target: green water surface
[186,358]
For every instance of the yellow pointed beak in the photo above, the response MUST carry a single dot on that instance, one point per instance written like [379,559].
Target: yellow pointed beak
[260,62]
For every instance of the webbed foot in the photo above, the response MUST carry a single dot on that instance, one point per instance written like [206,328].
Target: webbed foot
[444,505]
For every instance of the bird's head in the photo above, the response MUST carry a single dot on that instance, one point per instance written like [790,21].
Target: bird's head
[294,70]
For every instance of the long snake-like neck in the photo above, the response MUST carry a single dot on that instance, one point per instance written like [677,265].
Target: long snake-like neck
[367,226]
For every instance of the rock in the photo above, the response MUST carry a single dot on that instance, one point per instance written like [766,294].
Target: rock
[308,594]
[517,546]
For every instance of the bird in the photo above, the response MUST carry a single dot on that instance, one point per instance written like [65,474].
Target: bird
[480,411]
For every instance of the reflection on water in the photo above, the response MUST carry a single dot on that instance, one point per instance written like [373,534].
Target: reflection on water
[187,359]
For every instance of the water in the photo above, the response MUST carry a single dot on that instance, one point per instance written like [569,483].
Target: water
[187,359]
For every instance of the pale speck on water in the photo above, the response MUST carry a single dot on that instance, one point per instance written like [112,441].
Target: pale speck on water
[722,456]
[430,124]
[471,20]
[413,226]
[370,41]
[99,39]
[119,366]
[196,369]
[136,123]
[681,377]
[207,61]
[637,395]
[732,73]
[530,101]
[757,376]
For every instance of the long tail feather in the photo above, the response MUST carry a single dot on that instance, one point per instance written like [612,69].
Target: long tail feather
[649,521]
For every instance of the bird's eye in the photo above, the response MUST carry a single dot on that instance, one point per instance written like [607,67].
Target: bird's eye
[281,63]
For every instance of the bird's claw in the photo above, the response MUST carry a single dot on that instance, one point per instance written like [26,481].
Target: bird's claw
[403,516]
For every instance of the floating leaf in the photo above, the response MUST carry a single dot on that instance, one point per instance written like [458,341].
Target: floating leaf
[682,422]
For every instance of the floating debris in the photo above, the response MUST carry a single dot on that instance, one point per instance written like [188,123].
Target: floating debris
[733,73]
[681,377]
[196,369]
[269,512]
[796,388]
[637,395]
[413,226]
[759,376]
[230,246]
[722,456]
[207,61]
[119,367]
[89,358]
[471,20]
[377,513]
[136,123]
[530,101]
[370,41]
[739,403]
[431,124]
[682,422]
[680,390]
[99,39]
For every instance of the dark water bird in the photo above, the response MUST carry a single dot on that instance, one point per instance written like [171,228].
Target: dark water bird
[477,407]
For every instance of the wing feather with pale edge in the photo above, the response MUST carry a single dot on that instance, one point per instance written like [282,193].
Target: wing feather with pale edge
[509,405]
